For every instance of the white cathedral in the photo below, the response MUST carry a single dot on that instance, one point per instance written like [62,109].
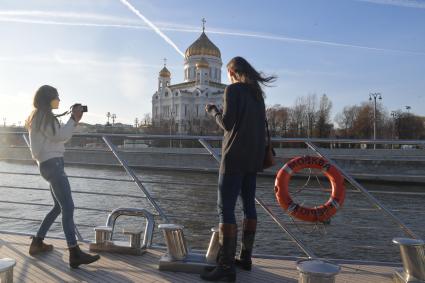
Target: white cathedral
[181,106]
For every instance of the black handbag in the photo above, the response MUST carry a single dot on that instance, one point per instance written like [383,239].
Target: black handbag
[269,151]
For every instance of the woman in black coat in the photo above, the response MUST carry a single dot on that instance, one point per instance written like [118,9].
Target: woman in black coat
[243,121]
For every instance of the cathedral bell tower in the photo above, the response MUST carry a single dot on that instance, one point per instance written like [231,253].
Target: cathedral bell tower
[164,78]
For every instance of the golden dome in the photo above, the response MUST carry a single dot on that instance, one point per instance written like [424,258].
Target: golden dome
[203,46]
[202,63]
[164,72]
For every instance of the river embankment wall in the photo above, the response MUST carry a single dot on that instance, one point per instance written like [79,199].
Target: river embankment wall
[398,165]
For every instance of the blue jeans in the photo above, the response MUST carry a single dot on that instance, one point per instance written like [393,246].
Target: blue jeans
[230,186]
[52,171]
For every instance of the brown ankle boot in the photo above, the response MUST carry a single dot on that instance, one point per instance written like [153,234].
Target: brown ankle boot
[38,246]
[77,257]
[225,270]
[248,236]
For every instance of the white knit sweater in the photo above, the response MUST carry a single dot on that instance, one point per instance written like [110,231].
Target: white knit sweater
[46,145]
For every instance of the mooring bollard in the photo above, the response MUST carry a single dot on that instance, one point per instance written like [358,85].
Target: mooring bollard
[317,271]
[6,270]
[178,257]
[413,257]
[103,234]
[213,247]
[174,238]
[135,238]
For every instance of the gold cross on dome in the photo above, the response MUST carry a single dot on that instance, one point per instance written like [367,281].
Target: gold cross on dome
[203,24]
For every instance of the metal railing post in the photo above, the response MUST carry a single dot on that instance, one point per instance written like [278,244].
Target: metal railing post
[130,172]
[363,190]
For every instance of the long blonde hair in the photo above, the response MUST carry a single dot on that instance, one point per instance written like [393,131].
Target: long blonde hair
[42,113]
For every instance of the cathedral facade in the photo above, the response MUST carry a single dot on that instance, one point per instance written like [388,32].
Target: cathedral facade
[181,107]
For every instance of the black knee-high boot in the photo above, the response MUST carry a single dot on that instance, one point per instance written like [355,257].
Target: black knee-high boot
[248,237]
[225,269]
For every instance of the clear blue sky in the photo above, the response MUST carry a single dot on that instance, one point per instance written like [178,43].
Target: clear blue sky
[102,54]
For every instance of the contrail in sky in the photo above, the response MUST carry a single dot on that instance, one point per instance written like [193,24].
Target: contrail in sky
[154,27]
[419,4]
[15,17]
[62,23]
[60,14]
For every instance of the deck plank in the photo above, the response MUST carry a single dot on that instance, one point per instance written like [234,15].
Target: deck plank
[53,267]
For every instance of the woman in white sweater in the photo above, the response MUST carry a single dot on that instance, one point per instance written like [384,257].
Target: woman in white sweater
[47,140]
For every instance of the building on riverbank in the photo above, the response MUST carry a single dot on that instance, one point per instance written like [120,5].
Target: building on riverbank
[180,107]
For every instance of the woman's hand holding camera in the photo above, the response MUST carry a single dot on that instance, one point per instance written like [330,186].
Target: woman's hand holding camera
[77,113]
[211,109]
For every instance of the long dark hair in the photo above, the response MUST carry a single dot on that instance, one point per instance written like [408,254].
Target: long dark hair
[247,74]
[42,113]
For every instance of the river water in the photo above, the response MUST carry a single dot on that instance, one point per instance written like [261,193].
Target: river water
[357,231]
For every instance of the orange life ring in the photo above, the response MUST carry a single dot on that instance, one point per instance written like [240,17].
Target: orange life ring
[315,214]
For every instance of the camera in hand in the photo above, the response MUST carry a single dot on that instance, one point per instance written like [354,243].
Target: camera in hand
[83,107]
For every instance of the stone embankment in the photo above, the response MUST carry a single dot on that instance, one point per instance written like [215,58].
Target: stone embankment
[403,165]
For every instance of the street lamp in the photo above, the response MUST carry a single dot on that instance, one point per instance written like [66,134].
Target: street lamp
[309,116]
[108,115]
[374,96]
[395,115]
[113,116]
[171,124]
[408,108]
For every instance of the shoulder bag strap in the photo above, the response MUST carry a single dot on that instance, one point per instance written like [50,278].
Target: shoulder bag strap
[268,133]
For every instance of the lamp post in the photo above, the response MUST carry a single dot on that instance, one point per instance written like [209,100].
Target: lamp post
[408,108]
[171,124]
[309,115]
[108,115]
[113,116]
[395,116]
[136,124]
[374,96]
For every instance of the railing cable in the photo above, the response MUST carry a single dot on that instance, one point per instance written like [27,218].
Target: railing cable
[362,189]
[130,172]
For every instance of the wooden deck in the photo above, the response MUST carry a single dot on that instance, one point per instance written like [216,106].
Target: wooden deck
[53,267]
